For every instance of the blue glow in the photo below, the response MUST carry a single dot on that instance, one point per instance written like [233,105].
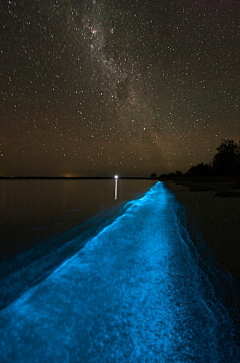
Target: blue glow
[139,291]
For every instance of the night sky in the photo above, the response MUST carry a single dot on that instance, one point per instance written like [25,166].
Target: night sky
[99,87]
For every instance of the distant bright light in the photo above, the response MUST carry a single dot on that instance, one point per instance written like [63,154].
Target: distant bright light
[116,176]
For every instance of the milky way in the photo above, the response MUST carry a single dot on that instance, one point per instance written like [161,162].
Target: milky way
[131,87]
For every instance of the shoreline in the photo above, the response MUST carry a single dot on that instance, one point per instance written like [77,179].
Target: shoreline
[218,219]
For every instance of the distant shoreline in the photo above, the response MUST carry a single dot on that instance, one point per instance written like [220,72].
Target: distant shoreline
[74,177]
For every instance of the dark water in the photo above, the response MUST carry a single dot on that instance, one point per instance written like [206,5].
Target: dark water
[139,291]
[40,220]
[32,211]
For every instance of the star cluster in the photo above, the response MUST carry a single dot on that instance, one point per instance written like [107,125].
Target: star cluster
[98,87]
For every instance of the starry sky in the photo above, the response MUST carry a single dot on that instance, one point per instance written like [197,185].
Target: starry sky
[128,87]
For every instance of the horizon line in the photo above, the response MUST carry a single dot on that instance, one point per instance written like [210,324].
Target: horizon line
[75,177]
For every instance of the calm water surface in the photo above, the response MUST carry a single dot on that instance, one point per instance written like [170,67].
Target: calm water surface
[32,211]
[138,291]
[42,222]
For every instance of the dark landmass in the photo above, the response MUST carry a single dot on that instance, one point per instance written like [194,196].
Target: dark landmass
[214,204]
[222,186]
[73,177]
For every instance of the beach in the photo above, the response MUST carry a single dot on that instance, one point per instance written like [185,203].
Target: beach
[217,215]
[138,291]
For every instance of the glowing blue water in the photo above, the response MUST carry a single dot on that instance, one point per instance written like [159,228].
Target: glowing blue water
[137,292]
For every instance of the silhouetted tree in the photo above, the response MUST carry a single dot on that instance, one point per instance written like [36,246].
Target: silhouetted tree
[154,175]
[200,170]
[178,173]
[163,176]
[227,159]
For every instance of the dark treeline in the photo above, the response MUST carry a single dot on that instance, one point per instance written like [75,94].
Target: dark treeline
[226,162]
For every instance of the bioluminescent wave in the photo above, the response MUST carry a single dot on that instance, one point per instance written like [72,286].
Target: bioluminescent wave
[139,291]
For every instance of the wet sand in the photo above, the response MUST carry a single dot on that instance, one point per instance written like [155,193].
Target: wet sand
[218,219]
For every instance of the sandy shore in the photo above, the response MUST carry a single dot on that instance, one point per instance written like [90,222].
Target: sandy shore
[218,219]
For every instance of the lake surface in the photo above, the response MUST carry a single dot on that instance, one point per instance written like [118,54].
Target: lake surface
[32,211]
[140,290]
[42,222]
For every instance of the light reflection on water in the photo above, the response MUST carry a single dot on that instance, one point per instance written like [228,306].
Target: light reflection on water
[40,220]
[35,210]
[139,291]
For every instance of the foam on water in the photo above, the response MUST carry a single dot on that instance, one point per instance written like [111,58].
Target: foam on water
[25,270]
[139,291]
